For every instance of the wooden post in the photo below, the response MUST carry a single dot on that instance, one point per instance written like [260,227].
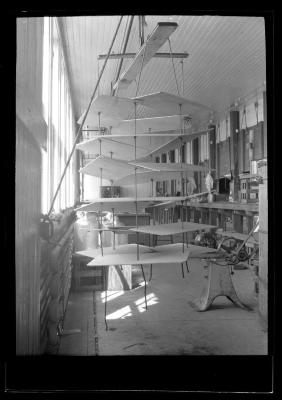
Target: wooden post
[234,136]
[237,221]
[221,219]
[263,246]
[250,221]
[197,214]
[212,216]
[212,150]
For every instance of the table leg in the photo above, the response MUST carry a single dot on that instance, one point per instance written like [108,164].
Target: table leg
[106,292]
[145,286]
[187,266]
[219,284]
[182,270]
[151,271]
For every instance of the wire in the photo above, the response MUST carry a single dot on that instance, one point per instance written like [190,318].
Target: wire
[173,66]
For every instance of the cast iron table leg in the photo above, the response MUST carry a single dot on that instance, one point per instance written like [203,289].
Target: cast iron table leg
[219,284]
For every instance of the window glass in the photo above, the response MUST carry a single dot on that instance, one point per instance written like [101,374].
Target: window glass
[58,114]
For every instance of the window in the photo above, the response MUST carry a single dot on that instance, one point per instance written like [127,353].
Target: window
[58,114]
[172,156]
[164,158]
[182,153]
[189,153]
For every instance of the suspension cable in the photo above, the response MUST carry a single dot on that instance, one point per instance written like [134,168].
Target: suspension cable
[137,88]
[182,70]
[98,70]
[83,120]
[173,67]
[121,45]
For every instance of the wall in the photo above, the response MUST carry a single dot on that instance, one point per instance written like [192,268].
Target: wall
[31,139]
[28,208]
[30,134]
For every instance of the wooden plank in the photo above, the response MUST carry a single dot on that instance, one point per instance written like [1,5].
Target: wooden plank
[165,254]
[176,142]
[121,249]
[172,228]
[111,168]
[169,104]
[157,38]
[112,109]
[176,167]
[143,177]
[117,148]
[125,203]
[155,124]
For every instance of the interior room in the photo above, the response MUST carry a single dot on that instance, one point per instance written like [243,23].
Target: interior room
[141,218]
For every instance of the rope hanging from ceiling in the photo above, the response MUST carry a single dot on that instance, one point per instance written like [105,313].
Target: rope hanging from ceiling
[182,71]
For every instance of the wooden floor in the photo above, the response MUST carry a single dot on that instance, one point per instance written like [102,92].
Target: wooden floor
[170,326]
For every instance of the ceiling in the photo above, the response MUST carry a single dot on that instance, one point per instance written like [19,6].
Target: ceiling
[226,58]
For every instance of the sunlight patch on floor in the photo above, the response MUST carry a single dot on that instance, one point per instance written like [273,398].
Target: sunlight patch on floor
[121,313]
[151,300]
[112,294]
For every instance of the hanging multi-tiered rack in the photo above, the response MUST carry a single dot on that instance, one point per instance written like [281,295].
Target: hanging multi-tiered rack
[116,163]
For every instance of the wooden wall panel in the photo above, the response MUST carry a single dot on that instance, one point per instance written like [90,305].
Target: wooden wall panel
[28,208]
